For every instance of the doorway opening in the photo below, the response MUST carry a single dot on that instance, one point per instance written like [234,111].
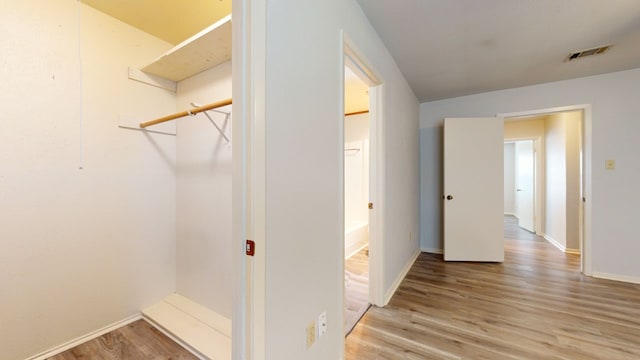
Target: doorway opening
[520,185]
[559,180]
[356,198]
[363,175]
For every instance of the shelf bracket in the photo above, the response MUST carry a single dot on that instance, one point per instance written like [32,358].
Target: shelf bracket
[227,116]
[153,80]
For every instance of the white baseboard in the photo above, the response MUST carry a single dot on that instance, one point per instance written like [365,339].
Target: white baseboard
[562,248]
[432,250]
[403,273]
[198,329]
[175,339]
[572,251]
[623,278]
[554,242]
[83,339]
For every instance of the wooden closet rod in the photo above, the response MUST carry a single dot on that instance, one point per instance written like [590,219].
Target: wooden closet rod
[193,111]
[357,113]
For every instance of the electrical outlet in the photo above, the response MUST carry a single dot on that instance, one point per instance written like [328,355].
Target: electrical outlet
[311,334]
[610,164]
[322,324]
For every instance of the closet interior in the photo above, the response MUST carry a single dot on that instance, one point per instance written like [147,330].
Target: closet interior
[195,75]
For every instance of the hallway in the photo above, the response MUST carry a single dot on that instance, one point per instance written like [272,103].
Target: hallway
[535,305]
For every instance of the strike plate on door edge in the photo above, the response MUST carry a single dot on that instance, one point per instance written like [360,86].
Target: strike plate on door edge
[250,247]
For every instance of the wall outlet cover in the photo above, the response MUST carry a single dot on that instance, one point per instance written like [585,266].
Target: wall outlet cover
[322,324]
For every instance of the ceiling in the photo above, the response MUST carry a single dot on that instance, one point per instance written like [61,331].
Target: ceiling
[158,18]
[171,20]
[356,93]
[450,48]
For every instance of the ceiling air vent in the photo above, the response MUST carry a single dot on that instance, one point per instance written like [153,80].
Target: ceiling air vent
[585,53]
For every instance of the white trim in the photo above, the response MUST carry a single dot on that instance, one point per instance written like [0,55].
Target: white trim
[586,141]
[200,330]
[432,251]
[175,339]
[623,278]
[562,248]
[249,87]
[510,214]
[555,243]
[354,59]
[84,338]
[403,274]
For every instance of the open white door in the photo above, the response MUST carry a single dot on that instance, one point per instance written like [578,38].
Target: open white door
[525,189]
[473,189]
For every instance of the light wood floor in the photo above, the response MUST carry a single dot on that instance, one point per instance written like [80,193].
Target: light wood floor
[535,305]
[136,341]
[356,288]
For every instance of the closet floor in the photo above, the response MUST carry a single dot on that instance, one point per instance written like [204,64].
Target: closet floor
[138,340]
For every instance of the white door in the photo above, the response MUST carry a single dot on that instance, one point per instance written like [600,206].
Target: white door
[525,190]
[473,189]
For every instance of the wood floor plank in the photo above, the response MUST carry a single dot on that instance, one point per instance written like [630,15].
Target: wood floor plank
[136,341]
[535,305]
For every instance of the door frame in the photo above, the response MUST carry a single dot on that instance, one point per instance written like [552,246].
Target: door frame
[358,63]
[538,176]
[585,213]
[249,179]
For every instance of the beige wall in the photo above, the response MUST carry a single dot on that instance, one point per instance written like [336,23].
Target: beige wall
[563,178]
[519,129]
[79,249]
[509,178]
[556,181]
[204,165]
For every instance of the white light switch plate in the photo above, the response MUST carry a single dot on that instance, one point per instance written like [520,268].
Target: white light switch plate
[322,324]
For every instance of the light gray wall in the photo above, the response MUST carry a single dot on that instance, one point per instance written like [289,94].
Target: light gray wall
[614,129]
[303,184]
[203,178]
[509,178]
[79,249]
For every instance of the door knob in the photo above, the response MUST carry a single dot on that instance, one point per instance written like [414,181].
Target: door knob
[449,197]
[519,190]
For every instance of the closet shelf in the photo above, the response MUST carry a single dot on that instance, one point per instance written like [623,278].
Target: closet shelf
[208,48]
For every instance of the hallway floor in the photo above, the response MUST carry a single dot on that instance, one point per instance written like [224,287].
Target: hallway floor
[535,305]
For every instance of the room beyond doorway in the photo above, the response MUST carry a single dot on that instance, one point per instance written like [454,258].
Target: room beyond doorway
[520,182]
[356,198]
[558,148]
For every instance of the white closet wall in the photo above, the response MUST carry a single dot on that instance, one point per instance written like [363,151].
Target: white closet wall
[204,193]
[356,170]
[79,249]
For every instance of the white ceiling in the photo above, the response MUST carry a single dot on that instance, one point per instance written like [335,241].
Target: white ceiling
[449,48]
